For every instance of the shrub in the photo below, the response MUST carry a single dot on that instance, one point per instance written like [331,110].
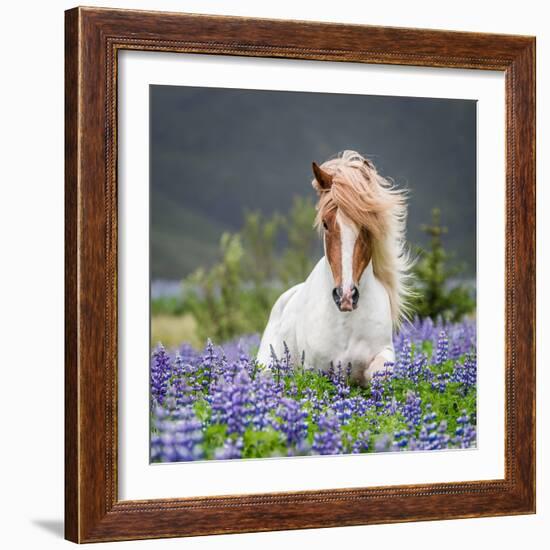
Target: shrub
[236,295]
[436,296]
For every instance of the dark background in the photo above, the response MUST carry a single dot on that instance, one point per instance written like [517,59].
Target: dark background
[216,152]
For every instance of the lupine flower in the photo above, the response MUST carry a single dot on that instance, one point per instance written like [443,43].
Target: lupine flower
[466,374]
[465,435]
[343,408]
[160,374]
[377,389]
[361,443]
[209,363]
[432,434]
[230,402]
[219,404]
[294,424]
[312,403]
[231,449]
[442,352]
[240,348]
[328,440]
[441,381]
[411,409]
[188,355]
[401,439]
[404,359]
[383,443]
[462,335]
[263,400]
[178,437]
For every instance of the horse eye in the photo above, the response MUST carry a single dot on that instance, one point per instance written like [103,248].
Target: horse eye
[325,225]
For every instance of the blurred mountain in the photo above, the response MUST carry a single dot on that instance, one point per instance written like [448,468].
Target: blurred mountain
[216,152]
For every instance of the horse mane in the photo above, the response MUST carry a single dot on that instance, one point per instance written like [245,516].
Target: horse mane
[372,202]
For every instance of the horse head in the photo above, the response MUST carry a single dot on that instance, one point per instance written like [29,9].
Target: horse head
[362,218]
[347,248]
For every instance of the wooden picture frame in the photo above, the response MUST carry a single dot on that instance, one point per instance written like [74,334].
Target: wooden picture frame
[93,511]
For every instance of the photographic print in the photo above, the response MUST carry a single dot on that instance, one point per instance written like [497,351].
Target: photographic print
[313,274]
[285,253]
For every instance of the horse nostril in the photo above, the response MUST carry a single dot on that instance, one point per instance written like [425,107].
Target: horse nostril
[354,295]
[337,295]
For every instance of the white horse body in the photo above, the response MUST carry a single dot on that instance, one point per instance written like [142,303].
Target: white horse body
[307,320]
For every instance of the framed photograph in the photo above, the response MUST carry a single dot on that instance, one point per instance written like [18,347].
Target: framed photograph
[300,275]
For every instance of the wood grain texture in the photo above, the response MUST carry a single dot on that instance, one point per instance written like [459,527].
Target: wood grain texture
[93,38]
[71,271]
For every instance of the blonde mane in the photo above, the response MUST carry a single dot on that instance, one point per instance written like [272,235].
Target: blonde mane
[374,203]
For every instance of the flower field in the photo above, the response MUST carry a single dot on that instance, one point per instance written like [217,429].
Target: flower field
[220,404]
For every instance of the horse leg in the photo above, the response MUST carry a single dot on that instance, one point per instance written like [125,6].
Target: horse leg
[378,364]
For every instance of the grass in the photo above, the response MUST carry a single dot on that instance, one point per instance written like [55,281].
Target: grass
[171,330]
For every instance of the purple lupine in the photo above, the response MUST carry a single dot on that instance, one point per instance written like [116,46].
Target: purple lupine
[360,405]
[411,409]
[466,373]
[230,402]
[293,421]
[226,370]
[442,352]
[231,449]
[178,394]
[392,405]
[209,361]
[339,377]
[287,360]
[292,390]
[436,438]
[404,360]
[178,437]
[238,394]
[383,443]
[302,448]
[462,335]
[188,355]
[281,366]
[416,331]
[361,443]
[432,435]
[465,434]
[160,372]
[343,407]
[455,349]
[440,382]
[275,365]
[240,347]
[340,402]
[418,368]
[327,441]
[377,389]
[409,366]
[314,405]
[401,439]
[262,400]
[244,360]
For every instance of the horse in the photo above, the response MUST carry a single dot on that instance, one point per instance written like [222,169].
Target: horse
[345,312]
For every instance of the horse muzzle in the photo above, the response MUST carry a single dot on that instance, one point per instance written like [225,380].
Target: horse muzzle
[346,301]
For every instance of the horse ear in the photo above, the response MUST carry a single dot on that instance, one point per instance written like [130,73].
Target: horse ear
[323,179]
